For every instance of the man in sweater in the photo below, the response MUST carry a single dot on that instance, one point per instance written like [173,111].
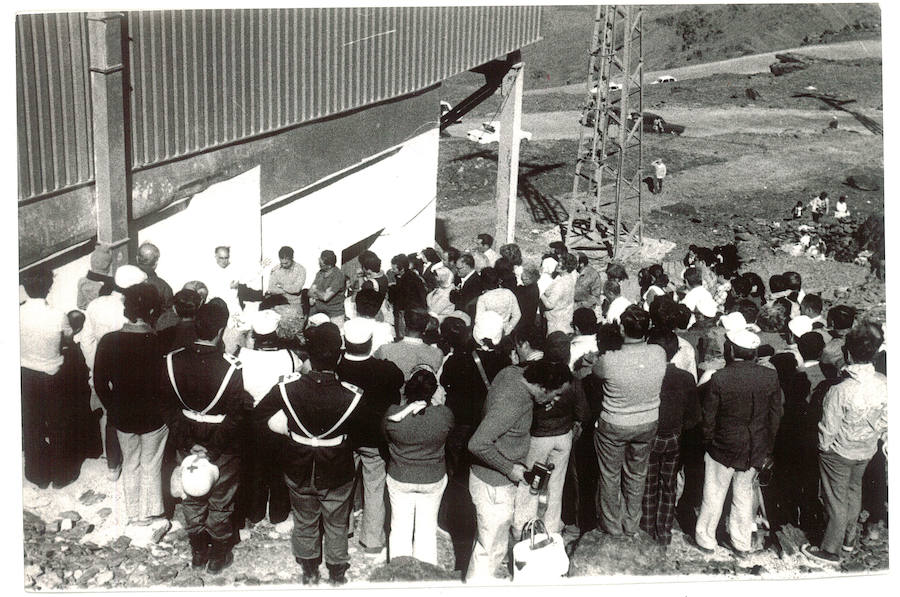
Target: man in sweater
[380,381]
[631,379]
[741,412]
[326,295]
[500,447]
[588,286]
[314,412]
[679,408]
[106,314]
[411,350]
[97,281]
[854,419]
[554,426]
[41,332]
[147,260]
[203,398]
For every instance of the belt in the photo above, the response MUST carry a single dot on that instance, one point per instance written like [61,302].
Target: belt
[315,442]
[200,418]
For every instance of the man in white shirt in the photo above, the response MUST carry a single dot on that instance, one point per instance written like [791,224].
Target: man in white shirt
[487,255]
[41,331]
[585,341]
[368,305]
[617,302]
[698,299]
[659,171]
[559,298]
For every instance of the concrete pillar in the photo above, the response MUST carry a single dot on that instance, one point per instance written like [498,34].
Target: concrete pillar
[508,155]
[105,31]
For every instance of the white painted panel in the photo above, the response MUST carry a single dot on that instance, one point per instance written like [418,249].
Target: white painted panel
[396,193]
[226,213]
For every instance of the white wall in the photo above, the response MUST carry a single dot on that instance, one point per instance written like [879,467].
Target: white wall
[225,214]
[397,194]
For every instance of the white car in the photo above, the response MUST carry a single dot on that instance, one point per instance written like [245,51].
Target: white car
[490,133]
[612,87]
[664,79]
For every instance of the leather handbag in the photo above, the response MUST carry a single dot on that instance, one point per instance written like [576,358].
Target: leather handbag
[539,557]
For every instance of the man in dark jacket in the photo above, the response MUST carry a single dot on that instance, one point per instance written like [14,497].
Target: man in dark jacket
[741,413]
[470,287]
[203,401]
[408,293]
[314,411]
[380,381]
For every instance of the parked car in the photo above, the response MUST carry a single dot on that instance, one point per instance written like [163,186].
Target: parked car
[490,133]
[664,79]
[612,87]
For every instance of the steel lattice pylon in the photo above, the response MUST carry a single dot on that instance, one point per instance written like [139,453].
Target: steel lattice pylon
[609,144]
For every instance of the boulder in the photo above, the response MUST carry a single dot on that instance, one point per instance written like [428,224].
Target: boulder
[781,68]
[70,515]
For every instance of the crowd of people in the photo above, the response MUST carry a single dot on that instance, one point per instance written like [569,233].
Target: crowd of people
[430,391]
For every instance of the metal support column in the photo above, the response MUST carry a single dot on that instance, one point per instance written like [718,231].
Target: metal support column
[105,31]
[508,154]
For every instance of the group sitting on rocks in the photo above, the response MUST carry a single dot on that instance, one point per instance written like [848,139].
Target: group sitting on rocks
[448,381]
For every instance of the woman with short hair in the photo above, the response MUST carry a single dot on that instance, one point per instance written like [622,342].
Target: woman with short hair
[417,473]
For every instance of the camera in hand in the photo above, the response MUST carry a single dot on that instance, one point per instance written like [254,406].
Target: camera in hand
[538,476]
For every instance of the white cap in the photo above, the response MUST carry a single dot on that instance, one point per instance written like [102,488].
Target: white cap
[800,325]
[266,322]
[707,305]
[743,338]
[549,265]
[488,325]
[733,321]
[318,319]
[358,330]
[198,475]
[129,275]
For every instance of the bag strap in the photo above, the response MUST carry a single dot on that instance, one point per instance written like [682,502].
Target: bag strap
[480,368]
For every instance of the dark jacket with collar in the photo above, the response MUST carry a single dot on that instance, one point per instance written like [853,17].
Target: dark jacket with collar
[742,408]
[199,371]
[319,399]
[409,292]
[466,297]
[380,381]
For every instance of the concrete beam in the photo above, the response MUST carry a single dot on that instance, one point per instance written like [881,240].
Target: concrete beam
[107,68]
[508,154]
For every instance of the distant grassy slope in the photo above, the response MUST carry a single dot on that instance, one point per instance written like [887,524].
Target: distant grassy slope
[677,35]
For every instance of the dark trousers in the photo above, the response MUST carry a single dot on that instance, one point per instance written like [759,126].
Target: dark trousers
[456,514]
[263,488]
[622,455]
[113,449]
[45,436]
[213,511]
[658,505]
[842,492]
[330,506]
[579,507]
[658,184]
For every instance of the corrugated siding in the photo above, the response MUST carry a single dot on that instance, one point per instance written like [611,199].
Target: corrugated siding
[55,149]
[204,78]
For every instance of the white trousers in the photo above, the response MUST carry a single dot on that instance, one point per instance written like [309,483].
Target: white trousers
[717,479]
[414,510]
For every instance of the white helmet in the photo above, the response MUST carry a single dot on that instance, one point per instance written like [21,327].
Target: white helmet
[198,475]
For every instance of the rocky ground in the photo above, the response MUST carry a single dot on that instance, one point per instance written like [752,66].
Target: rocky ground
[73,541]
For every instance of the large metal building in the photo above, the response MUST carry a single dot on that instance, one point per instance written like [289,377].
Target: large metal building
[315,128]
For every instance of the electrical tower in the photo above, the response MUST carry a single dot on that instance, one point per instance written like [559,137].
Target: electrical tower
[609,144]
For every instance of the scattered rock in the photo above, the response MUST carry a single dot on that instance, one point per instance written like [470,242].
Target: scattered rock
[51,580]
[122,542]
[104,577]
[33,570]
[104,512]
[66,525]
[71,515]
[88,575]
[33,524]
[160,531]
[91,498]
